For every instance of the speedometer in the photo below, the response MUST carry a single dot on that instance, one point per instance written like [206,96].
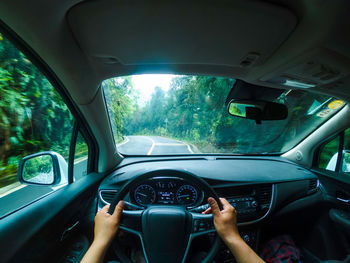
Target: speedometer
[186,195]
[144,194]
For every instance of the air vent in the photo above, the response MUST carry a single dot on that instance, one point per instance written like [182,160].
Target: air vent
[107,196]
[313,185]
[264,195]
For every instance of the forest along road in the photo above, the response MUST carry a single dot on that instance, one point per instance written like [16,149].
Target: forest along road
[153,145]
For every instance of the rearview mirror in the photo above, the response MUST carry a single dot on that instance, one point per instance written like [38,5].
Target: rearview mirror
[258,110]
[44,168]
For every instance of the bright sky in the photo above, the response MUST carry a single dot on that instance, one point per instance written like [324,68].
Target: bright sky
[146,83]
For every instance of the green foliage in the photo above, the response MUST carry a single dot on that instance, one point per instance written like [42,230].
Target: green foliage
[121,98]
[327,152]
[81,148]
[193,110]
[33,116]
[38,166]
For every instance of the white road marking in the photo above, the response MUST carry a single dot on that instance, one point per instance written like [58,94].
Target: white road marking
[13,190]
[152,147]
[124,142]
[189,148]
[182,143]
[166,144]
[79,160]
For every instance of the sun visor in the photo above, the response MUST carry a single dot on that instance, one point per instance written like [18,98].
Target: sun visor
[242,90]
[236,33]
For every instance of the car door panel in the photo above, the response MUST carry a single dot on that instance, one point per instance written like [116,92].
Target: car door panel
[332,229]
[38,228]
[340,217]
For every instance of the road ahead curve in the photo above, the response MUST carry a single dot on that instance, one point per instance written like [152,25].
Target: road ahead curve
[153,145]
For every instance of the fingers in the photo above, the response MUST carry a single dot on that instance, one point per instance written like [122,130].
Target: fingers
[227,206]
[208,211]
[118,210]
[105,209]
[225,203]
[214,206]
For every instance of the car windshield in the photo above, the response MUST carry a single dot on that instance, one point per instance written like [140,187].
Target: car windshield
[172,114]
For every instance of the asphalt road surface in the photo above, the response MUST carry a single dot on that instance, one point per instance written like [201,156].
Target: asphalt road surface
[20,195]
[153,145]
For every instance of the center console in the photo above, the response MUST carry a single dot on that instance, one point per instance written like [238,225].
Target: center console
[249,235]
[252,202]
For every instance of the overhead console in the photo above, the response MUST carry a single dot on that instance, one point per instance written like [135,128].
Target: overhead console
[316,67]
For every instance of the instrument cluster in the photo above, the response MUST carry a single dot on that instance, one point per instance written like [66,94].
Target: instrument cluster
[166,191]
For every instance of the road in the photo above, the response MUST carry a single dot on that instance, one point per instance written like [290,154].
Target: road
[18,195]
[153,145]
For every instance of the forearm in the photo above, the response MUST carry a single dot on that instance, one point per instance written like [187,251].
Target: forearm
[95,253]
[241,251]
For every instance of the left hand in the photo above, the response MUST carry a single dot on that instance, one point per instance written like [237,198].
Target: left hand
[106,225]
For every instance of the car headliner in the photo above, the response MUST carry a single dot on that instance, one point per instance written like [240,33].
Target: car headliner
[85,42]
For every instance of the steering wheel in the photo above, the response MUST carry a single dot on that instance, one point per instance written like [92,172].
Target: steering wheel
[166,231]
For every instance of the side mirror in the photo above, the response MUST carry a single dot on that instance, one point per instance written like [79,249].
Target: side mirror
[257,110]
[44,168]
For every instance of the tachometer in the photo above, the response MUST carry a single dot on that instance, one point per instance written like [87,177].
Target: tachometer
[186,195]
[145,194]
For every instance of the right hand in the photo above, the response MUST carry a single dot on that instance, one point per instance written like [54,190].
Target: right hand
[225,221]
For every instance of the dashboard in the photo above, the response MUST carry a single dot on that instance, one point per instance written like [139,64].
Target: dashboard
[257,187]
[260,188]
[165,191]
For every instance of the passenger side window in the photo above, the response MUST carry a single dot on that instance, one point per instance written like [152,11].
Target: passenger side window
[33,119]
[335,154]
[329,155]
[346,152]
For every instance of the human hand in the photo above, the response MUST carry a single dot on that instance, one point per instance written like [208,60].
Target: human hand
[225,221]
[106,225]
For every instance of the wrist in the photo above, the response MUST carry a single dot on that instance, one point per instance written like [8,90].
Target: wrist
[233,240]
[100,244]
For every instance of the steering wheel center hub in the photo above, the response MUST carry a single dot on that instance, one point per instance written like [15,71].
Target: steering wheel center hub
[166,233]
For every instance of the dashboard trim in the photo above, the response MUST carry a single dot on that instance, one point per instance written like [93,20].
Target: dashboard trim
[265,215]
[105,190]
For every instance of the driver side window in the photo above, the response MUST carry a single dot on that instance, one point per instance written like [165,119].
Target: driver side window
[34,119]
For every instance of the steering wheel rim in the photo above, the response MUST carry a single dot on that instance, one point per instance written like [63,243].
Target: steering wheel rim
[135,221]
